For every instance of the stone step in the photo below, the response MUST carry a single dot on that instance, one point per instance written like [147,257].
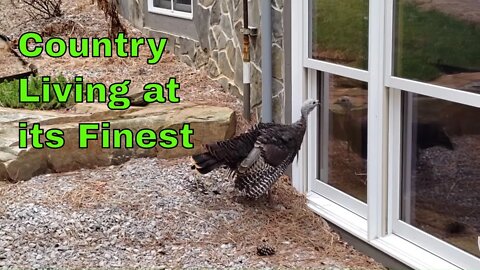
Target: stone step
[209,123]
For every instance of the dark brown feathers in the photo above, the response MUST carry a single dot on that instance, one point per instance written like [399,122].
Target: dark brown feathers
[256,158]
[229,152]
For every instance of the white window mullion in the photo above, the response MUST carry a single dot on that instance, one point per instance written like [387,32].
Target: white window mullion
[394,158]
[299,80]
[377,119]
[311,146]
[324,128]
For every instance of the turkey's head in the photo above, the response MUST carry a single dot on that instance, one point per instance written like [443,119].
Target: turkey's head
[345,102]
[308,106]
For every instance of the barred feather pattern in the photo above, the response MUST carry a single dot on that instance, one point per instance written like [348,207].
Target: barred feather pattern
[279,144]
[259,178]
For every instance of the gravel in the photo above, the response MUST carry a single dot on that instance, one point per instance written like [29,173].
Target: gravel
[151,213]
[159,214]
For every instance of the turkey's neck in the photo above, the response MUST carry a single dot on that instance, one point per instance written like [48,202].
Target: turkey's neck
[301,125]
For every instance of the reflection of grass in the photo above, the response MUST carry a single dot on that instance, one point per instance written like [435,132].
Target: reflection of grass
[424,37]
[9,94]
[431,37]
[342,25]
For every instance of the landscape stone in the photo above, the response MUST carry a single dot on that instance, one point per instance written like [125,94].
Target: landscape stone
[209,123]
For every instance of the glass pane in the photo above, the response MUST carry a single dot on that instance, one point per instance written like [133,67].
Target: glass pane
[438,42]
[339,32]
[441,169]
[343,128]
[183,5]
[163,4]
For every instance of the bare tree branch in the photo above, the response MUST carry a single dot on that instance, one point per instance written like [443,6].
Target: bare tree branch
[45,9]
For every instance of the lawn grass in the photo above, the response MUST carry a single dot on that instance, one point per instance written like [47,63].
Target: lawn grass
[423,37]
[9,94]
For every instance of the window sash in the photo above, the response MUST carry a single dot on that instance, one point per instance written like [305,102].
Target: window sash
[172,11]
[382,213]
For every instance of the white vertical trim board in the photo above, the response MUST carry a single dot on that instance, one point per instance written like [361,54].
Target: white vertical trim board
[394,159]
[377,110]
[299,88]
[324,127]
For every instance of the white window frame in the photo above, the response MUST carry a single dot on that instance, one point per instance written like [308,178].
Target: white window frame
[378,222]
[170,12]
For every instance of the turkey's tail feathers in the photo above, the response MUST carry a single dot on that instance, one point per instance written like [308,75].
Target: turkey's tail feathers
[205,163]
[228,152]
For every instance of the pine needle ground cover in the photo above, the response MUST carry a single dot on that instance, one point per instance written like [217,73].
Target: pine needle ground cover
[150,212]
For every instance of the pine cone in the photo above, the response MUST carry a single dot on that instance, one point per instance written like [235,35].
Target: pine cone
[265,250]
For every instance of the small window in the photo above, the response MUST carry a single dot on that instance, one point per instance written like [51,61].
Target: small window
[176,8]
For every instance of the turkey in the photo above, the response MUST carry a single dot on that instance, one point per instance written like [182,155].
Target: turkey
[429,134]
[258,157]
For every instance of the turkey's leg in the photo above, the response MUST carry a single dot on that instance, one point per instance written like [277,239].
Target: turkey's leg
[270,197]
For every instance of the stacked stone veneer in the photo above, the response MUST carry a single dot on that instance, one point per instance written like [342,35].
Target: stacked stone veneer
[218,49]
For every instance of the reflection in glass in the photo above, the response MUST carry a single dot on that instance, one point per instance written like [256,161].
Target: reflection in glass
[441,169]
[183,5]
[163,4]
[438,42]
[343,128]
[339,31]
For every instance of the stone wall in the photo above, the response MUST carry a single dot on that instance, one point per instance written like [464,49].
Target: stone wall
[218,50]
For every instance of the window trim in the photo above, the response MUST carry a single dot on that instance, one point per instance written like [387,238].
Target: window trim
[170,12]
[382,228]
